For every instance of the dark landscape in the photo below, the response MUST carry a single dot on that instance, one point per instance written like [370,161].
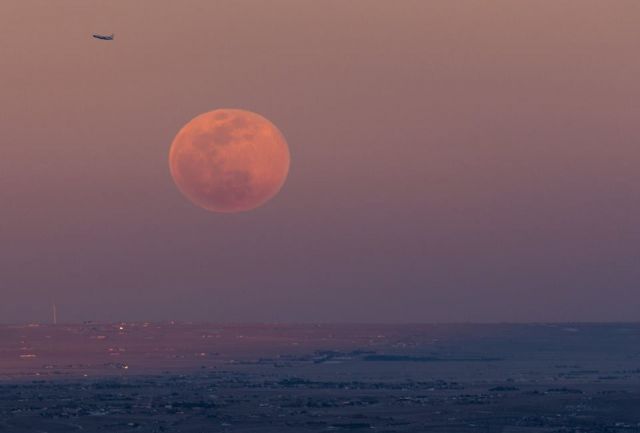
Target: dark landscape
[182,377]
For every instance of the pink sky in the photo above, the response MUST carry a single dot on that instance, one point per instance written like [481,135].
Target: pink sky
[450,160]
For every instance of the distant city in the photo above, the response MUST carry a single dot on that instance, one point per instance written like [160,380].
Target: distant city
[188,377]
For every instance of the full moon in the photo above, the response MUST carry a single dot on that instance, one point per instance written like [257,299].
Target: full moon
[229,160]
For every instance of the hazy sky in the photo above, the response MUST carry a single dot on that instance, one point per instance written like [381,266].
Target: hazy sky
[450,160]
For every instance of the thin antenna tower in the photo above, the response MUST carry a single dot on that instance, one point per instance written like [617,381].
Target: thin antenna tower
[55,315]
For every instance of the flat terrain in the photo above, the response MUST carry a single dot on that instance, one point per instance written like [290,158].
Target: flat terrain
[178,377]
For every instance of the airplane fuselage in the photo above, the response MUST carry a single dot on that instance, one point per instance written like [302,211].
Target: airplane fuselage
[104,37]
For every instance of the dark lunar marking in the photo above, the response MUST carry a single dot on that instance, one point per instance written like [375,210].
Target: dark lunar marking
[203,143]
[221,116]
[221,135]
[234,188]
[189,169]
[239,122]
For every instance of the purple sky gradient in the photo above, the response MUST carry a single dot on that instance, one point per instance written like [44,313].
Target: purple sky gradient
[450,160]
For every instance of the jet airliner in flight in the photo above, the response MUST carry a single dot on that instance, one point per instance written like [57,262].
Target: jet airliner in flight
[104,37]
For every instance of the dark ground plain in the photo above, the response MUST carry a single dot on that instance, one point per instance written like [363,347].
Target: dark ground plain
[200,378]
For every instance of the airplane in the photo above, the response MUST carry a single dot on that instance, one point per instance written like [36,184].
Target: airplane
[104,37]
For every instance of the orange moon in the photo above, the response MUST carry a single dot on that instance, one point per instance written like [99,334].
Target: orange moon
[229,160]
